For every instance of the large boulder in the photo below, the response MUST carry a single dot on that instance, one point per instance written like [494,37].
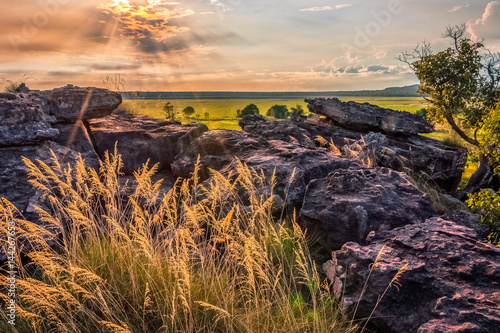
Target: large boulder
[367,117]
[22,122]
[141,138]
[293,166]
[70,103]
[348,204]
[448,281]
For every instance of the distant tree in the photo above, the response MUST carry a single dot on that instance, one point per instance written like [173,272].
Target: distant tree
[422,113]
[297,113]
[168,110]
[461,85]
[249,109]
[278,111]
[207,115]
[188,111]
[198,116]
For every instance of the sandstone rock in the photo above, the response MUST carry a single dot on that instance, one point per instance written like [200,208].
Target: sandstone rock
[451,283]
[441,164]
[276,130]
[22,123]
[368,117]
[218,148]
[76,137]
[141,138]
[350,203]
[14,184]
[70,103]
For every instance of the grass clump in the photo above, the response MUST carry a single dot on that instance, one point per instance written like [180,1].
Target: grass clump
[202,258]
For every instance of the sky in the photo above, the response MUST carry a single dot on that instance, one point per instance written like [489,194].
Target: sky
[228,45]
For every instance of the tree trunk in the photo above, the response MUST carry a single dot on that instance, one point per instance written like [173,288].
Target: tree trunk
[483,177]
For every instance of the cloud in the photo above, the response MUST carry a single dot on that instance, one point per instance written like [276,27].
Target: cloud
[316,9]
[324,8]
[457,8]
[487,26]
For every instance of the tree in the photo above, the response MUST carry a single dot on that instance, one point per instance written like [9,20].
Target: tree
[422,113]
[461,85]
[297,113]
[249,109]
[188,111]
[207,115]
[278,111]
[168,110]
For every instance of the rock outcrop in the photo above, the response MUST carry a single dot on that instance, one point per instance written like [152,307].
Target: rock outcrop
[218,148]
[441,164]
[367,117]
[22,122]
[140,138]
[70,103]
[348,204]
[449,281]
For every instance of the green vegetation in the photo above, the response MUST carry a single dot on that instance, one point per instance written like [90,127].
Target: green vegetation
[422,113]
[487,203]
[202,258]
[188,111]
[247,110]
[462,87]
[278,111]
[168,111]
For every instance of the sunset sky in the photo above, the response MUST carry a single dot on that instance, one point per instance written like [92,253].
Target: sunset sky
[228,45]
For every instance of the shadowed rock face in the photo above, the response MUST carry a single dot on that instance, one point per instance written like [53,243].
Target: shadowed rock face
[451,284]
[22,122]
[348,204]
[141,138]
[367,117]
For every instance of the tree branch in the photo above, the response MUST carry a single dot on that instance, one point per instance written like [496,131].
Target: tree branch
[459,131]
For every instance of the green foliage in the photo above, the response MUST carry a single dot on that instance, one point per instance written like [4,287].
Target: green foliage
[248,110]
[207,115]
[490,137]
[461,84]
[422,113]
[278,111]
[168,111]
[297,112]
[188,111]
[487,203]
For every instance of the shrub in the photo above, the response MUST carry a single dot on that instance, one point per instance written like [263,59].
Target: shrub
[278,111]
[422,113]
[248,110]
[201,258]
[168,110]
[487,203]
[188,111]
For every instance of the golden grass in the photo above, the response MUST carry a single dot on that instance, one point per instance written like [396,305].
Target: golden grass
[202,258]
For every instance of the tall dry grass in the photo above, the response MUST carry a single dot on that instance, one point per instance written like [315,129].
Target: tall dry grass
[202,258]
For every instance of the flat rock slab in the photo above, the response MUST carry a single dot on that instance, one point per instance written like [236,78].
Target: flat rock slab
[367,117]
[141,138]
[451,283]
[348,204]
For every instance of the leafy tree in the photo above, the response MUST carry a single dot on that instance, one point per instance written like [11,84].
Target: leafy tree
[188,111]
[249,109]
[168,110]
[278,111]
[207,115]
[297,113]
[422,113]
[461,85]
